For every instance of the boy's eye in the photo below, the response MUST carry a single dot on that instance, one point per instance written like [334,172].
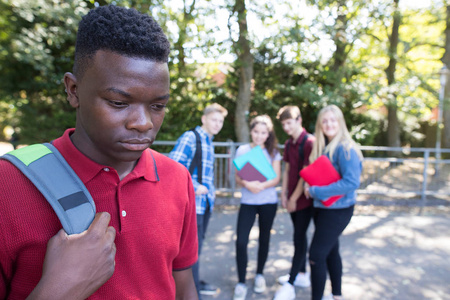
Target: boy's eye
[158,107]
[117,103]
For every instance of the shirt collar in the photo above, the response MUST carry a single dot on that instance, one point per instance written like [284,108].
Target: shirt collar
[300,138]
[87,169]
[146,166]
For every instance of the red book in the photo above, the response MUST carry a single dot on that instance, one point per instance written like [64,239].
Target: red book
[321,172]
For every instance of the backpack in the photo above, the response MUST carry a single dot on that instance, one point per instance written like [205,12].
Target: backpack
[301,151]
[196,161]
[47,169]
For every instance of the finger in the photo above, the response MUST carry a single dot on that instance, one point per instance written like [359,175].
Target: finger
[110,234]
[100,222]
[62,234]
[57,238]
[114,251]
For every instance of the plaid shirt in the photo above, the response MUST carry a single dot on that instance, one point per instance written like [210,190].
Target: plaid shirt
[184,152]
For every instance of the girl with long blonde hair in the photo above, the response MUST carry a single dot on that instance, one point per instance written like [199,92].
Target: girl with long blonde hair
[322,145]
[334,141]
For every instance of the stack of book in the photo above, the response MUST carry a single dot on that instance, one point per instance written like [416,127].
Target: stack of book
[254,165]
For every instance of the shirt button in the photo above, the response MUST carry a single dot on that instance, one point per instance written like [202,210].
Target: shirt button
[106,169]
[124,213]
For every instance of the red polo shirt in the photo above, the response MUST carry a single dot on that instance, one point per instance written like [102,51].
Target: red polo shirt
[292,157]
[152,210]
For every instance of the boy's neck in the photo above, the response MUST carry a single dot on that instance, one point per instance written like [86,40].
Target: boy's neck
[208,133]
[296,135]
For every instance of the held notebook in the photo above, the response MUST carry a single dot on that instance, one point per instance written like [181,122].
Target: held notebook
[321,172]
[258,160]
[250,173]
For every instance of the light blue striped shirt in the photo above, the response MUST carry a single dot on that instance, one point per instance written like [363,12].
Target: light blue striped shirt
[184,152]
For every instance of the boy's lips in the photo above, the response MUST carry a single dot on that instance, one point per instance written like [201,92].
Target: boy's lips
[137,144]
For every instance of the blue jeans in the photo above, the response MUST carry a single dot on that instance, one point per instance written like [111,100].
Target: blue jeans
[202,225]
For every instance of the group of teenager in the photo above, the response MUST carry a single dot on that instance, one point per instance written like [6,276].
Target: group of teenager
[259,198]
[152,212]
[304,202]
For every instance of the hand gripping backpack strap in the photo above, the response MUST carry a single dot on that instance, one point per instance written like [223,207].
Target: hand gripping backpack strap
[47,169]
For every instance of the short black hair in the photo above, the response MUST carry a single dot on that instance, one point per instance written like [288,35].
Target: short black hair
[121,30]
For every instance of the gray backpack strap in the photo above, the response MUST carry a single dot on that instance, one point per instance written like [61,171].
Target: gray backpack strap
[54,178]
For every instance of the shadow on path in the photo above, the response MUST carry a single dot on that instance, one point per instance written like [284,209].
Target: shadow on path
[386,255]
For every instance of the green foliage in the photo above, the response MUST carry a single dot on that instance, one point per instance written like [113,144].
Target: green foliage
[189,96]
[44,120]
[418,62]
[36,49]
[291,66]
[310,86]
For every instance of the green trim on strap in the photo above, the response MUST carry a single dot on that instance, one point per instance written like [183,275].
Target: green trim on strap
[29,154]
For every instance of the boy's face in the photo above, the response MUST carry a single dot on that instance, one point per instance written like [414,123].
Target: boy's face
[212,122]
[292,126]
[120,105]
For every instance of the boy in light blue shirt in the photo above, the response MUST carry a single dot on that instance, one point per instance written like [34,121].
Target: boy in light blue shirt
[201,166]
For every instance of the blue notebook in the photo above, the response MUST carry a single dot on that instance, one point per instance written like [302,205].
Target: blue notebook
[258,160]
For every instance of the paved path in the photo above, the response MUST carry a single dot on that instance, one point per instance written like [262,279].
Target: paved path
[385,255]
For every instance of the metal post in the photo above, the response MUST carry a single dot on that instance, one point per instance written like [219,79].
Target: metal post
[232,171]
[426,157]
[444,72]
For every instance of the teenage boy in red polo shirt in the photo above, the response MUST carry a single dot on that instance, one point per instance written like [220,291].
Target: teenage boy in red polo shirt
[296,156]
[143,241]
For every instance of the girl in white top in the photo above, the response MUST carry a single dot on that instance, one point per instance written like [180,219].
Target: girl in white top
[258,198]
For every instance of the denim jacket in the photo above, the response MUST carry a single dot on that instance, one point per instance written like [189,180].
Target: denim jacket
[349,166]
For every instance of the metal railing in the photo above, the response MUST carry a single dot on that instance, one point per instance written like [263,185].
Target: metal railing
[412,175]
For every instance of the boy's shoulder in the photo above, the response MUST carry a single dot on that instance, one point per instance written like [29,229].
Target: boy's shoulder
[304,138]
[310,138]
[10,173]
[17,191]
[166,164]
[161,159]
[188,134]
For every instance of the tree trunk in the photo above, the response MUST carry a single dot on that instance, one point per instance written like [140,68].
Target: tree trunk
[183,23]
[446,60]
[245,63]
[340,55]
[393,122]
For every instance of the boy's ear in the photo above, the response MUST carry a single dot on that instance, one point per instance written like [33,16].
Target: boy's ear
[70,82]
